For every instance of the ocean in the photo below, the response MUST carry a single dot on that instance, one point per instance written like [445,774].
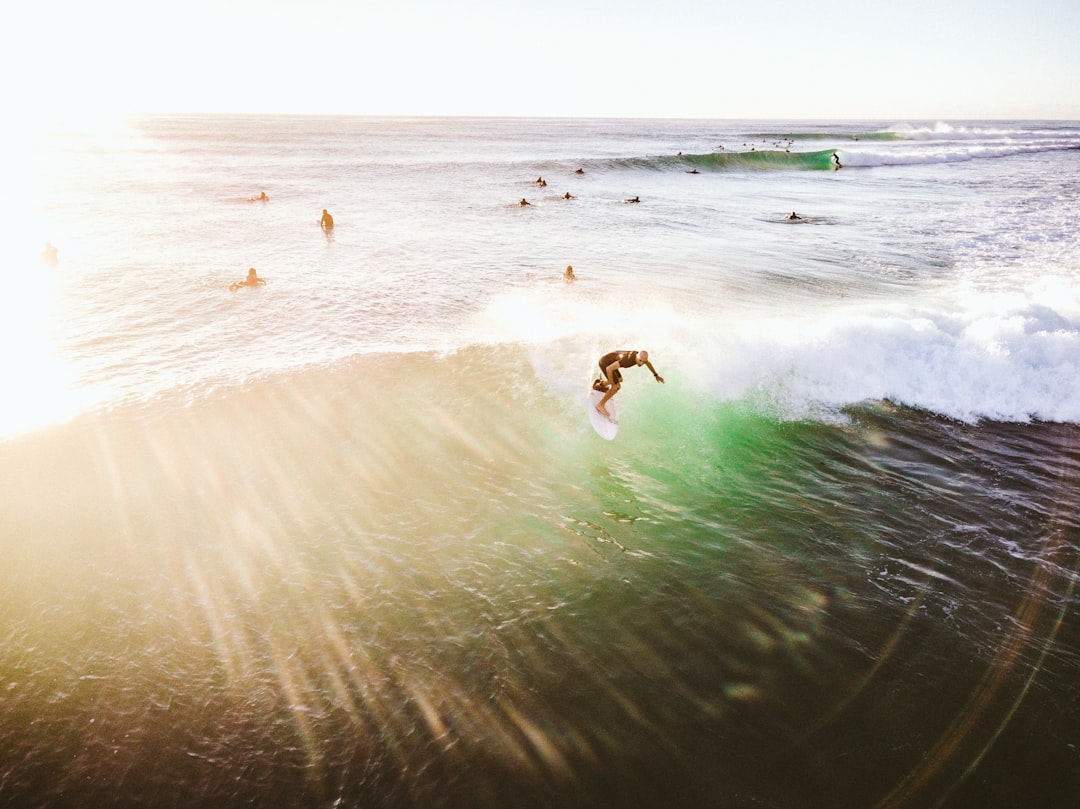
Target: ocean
[347,538]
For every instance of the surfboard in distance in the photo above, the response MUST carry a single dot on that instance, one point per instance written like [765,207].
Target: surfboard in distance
[605,427]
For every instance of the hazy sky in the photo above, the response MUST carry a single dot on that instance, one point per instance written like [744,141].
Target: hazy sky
[662,58]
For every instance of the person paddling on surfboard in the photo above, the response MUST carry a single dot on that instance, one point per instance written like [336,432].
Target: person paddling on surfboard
[611,378]
[252,280]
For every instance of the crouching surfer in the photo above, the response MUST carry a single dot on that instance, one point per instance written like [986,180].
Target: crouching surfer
[611,377]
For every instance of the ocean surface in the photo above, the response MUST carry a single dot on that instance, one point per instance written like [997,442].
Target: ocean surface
[347,539]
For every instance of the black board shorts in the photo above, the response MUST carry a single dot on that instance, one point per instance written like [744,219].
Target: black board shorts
[616,375]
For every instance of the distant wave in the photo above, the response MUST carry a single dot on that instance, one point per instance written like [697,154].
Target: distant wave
[906,144]
[767,159]
[940,131]
[929,152]
[957,132]
[886,149]
[898,145]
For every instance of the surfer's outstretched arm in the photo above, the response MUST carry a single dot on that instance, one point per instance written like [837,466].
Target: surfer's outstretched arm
[656,376]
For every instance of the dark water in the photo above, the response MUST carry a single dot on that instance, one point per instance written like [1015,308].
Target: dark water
[376,585]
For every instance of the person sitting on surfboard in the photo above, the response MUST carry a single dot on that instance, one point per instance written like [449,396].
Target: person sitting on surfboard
[49,254]
[327,221]
[611,378]
[252,280]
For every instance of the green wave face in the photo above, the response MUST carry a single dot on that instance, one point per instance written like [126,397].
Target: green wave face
[765,159]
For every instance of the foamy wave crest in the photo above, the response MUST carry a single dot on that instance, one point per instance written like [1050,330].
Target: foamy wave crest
[946,143]
[942,131]
[1003,360]
[1002,357]
[931,153]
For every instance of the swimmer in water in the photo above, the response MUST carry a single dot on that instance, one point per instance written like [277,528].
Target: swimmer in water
[327,221]
[252,280]
[49,255]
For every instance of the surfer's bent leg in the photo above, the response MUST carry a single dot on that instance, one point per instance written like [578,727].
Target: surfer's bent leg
[600,405]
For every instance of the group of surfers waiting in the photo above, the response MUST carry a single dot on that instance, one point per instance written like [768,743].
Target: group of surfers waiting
[326,222]
[542,183]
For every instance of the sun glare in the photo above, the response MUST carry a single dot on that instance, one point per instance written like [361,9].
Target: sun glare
[38,383]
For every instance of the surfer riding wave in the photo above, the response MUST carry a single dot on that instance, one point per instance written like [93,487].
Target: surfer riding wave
[611,377]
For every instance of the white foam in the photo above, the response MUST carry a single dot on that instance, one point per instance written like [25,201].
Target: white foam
[966,354]
[947,143]
[944,152]
[987,358]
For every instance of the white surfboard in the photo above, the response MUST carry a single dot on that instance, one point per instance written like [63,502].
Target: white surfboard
[605,427]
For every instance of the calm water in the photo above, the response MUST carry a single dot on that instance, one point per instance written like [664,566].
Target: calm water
[347,539]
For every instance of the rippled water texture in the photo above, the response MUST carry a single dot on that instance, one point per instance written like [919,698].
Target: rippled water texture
[348,539]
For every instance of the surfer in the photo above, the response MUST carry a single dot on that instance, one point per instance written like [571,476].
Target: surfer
[568,275]
[792,216]
[633,199]
[252,280]
[261,198]
[836,161]
[611,378]
[327,221]
[567,195]
[524,202]
[580,171]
